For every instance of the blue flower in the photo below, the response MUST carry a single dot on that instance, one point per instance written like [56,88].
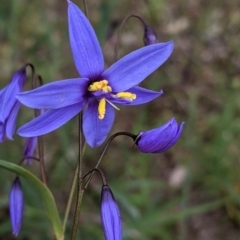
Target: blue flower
[159,139]
[110,215]
[97,89]
[16,206]
[9,105]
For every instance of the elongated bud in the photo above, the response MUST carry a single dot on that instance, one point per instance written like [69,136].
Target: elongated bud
[16,206]
[9,105]
[29,149]
[159,139]
[110,215]
[30,146]
[149,36]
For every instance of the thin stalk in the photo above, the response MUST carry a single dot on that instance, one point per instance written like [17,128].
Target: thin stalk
[120,32]
[28,157]
[104,182]
[40,139]
[105,149]
[70,198]
[85,8]
[80,190]
[41,157]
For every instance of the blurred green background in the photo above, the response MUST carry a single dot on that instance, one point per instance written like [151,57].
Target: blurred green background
[190,192]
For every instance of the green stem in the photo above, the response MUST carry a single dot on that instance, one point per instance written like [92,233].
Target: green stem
[40,139]
[105,149]
[120,31]
[80,190]
[70,198]
[79,174]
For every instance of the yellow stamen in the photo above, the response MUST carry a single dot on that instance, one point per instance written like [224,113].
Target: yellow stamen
[128,95]
[100,85]
[101,108]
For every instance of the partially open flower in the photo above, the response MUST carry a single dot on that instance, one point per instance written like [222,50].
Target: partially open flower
[9,105]
[149,37]
[16,206]
[159,139]
[110,215]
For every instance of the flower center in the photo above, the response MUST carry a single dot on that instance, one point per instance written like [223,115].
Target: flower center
[100,88]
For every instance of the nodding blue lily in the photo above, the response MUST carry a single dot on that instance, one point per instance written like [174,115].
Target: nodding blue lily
[97,89]
[110,215]
[16,206]
[9,105]
[160,139]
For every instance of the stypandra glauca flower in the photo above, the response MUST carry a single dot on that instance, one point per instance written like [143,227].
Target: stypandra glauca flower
[160,139]
[9,105]
[109,210]
[16,206]
[110,215]
[98,89]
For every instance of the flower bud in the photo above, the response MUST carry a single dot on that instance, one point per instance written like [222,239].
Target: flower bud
[29,148]
[110,215]
[159,139]
[9,105]
[16,206]
[149,36]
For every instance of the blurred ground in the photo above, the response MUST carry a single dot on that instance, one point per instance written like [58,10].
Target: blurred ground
[190,192]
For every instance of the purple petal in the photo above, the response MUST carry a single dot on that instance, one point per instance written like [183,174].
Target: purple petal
[16,206]
[173,140]
[86,50]
[143,96]
[50,120]
[110,215]
[96,130]
[11,121]
[8,99]
[130,70]
[2,131]
[55,95]
[159,139]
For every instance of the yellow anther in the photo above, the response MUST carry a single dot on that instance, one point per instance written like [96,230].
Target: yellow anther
[107,89]
[104,82]
[101,108]
[128,95]
[100,85]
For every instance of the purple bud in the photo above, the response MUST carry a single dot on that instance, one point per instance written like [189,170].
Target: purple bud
[160,139]
[30,146]
[16,206]
[9,105]
[29,149]
[149,36]
[110,215]
[8,99]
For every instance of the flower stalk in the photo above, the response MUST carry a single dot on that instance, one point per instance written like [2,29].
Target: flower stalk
[35,81]
[80,190]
